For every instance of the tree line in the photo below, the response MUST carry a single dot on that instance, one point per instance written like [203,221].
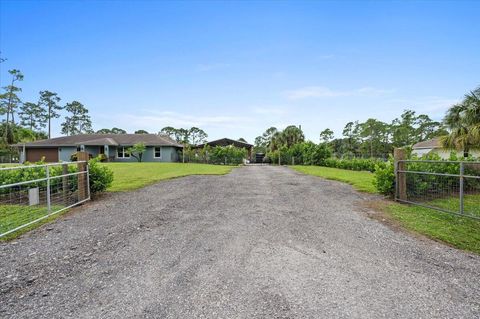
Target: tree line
[372,138]
[26,121]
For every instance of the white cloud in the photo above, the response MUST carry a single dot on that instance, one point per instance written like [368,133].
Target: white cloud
[324,92]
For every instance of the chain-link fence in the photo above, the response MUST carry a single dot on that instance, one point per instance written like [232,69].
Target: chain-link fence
[448,186]
[31,193]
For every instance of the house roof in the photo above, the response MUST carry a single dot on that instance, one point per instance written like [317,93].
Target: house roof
[105,139]
[226,142]
[430,144]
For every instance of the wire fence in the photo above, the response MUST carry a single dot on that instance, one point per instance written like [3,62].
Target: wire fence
[31,193]
[447,186]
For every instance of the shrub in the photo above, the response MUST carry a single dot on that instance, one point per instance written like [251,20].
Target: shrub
[101,177]
[102,157]
[228,155]
[384,178]
[424,183]
[355,164]
[305,153]
[320,154]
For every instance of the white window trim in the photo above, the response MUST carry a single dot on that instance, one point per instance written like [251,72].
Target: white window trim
[123,152]
[154,151]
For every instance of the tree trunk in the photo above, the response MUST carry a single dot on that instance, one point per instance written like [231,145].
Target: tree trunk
[49,122]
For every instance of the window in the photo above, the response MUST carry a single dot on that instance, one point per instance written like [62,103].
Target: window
[157,152]
[122,152]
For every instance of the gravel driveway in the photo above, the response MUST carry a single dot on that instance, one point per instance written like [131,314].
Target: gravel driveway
[261,242]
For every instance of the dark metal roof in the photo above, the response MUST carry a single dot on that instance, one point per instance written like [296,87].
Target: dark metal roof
[105,139]
[226,142]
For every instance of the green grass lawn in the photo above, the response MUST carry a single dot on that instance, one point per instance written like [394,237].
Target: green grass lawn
[130,176]
[360,180]
[460,232]
[12,216]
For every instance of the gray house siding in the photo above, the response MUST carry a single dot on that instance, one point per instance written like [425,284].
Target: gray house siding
[168,154]
[65,152]
[94,150]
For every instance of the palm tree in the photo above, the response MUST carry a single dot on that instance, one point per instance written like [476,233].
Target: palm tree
[463,122]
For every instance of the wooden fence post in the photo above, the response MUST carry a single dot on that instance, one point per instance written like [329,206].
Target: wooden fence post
[399,154]
[82,178]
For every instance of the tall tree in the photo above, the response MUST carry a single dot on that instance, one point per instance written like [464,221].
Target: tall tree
[373,131]
[79,121]
[292,135]
[169,131]
[141,132]
[49,102]
[9,102]
[114,130]
[182,136]
[32,116]
[463,123]
[350,132]
[403,129]
[326,135]
[427,128]
[197,135]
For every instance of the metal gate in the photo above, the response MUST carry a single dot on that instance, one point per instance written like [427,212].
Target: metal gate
[31,193]
[448,186]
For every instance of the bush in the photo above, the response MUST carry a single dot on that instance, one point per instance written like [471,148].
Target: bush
[101,177]
[306,153]
[355,164]
[423,183]
[320,154]
[384,178]
[102,157]
[228,155]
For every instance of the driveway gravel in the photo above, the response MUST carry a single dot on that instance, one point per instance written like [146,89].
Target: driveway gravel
[261,242]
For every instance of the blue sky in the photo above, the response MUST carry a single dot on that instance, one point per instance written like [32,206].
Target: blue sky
[237,68]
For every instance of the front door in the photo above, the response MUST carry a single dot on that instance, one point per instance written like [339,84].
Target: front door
[102,150]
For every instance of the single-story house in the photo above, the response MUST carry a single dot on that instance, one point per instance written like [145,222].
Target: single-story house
[159,148]
[229,142]
[435,146]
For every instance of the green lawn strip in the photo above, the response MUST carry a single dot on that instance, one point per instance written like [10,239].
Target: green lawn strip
[131,176]
[461,232]
[360,180]
[12,216]
[471,204]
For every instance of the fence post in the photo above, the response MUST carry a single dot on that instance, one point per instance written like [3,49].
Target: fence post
[49,200]
[65,182]
[399,156]
[462,179]
[82,158]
